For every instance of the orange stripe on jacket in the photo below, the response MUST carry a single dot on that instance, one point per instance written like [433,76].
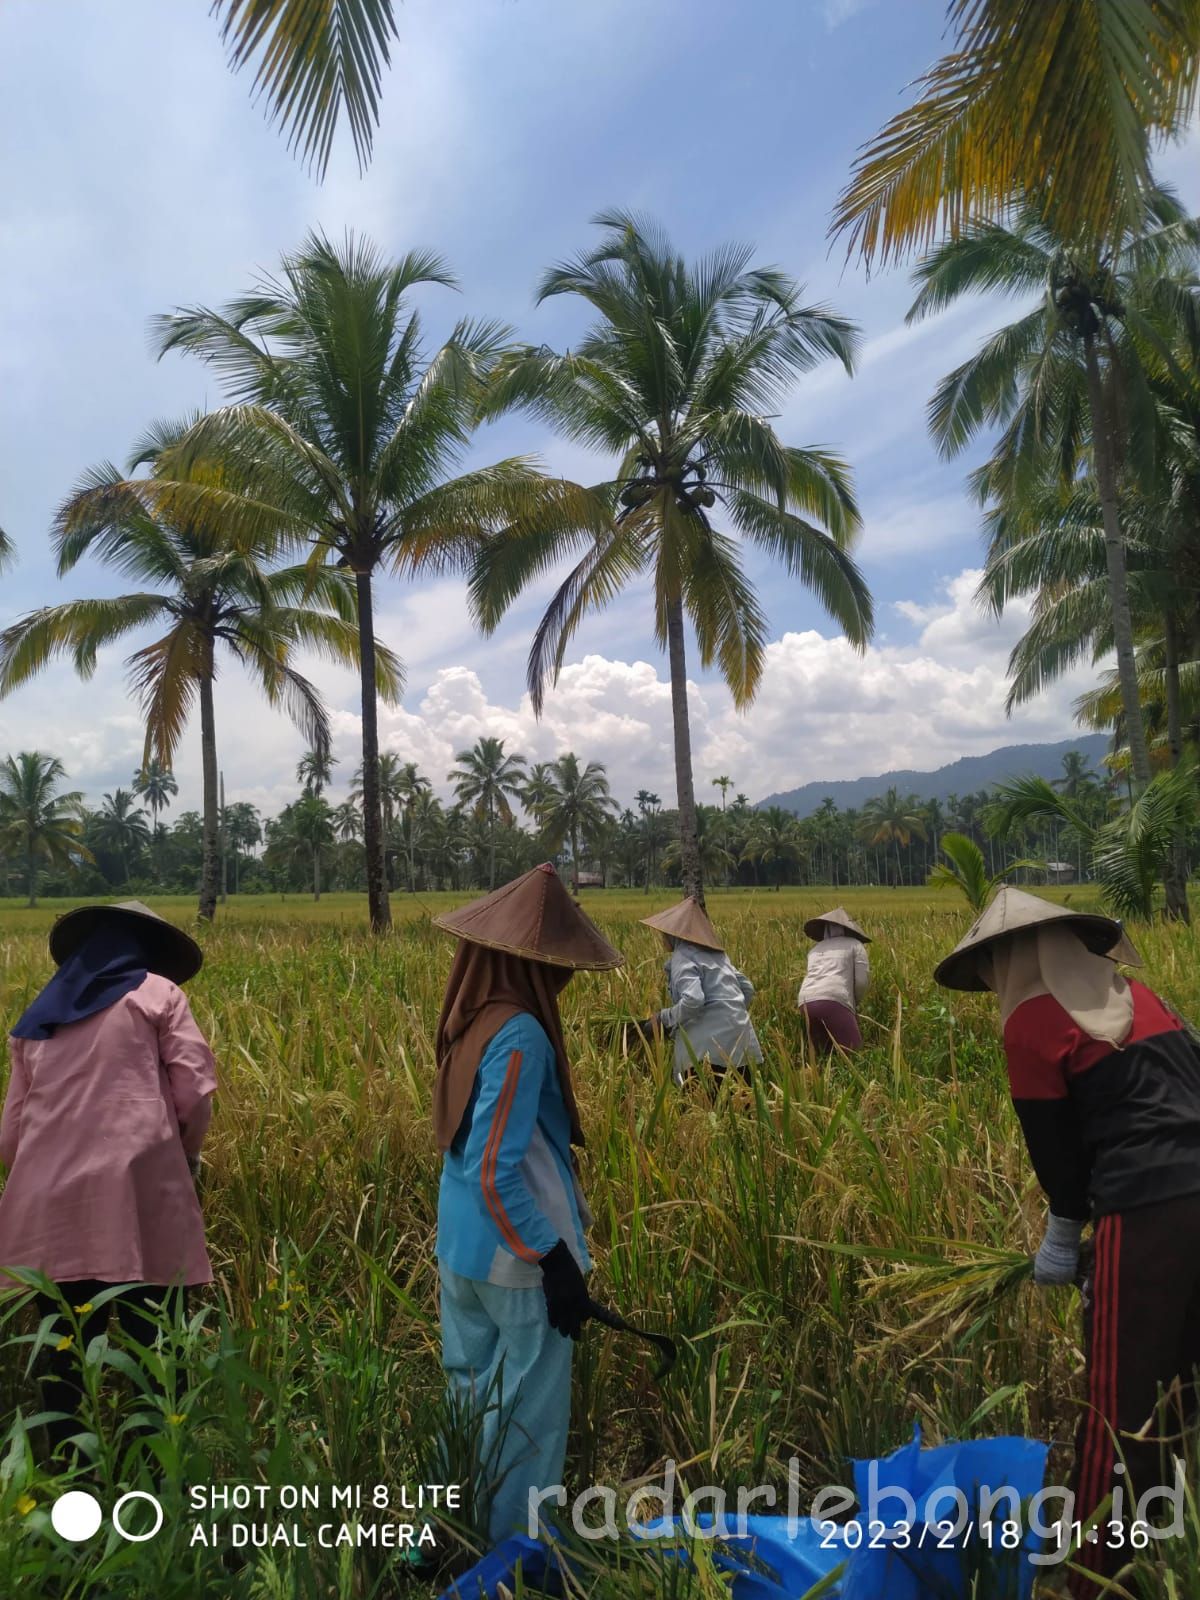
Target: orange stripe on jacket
[491,1155]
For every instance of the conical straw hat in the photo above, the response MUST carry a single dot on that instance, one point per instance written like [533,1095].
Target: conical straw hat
[686,921]
[839,917]
[169,951]
[1012,911]
[535,917]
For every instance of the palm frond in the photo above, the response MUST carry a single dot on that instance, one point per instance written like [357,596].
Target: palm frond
[316,60]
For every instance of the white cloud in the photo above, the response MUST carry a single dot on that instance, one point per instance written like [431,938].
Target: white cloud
[822,711]
[836,12]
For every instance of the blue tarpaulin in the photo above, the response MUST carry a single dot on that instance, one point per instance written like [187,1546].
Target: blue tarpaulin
[919,1534]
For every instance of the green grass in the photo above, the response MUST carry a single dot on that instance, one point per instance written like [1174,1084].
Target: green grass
[770,1232]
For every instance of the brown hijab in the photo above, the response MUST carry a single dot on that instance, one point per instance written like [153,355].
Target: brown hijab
[486,988]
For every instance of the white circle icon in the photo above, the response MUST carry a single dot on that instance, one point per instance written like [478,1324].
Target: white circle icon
[75,1515]
[126,1499]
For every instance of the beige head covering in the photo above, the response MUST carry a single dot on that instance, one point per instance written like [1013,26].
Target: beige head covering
[1013,911]
[831,924]
[1052,960]
[686,921]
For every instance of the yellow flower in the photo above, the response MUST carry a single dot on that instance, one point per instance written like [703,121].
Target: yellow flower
[82,1311]
[65,1342]
[284,1304]
[25,1504]
[177,1418]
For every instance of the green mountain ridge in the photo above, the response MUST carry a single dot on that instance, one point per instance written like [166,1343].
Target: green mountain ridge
[967,775]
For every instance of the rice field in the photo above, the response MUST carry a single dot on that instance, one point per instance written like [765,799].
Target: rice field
[808,1242]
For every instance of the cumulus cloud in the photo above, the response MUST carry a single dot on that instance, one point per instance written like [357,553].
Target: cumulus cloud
[822,711]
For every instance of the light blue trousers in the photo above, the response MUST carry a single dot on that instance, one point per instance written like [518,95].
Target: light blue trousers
[500,1354]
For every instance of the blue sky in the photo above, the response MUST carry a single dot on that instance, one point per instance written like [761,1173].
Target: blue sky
[139,176]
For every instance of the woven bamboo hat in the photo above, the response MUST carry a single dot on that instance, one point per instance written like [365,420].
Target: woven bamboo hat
[169,951]
[1013,911]
[535,917]
[840,918]
[686,921]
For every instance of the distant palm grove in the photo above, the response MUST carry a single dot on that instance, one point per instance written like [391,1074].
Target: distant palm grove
[506,815]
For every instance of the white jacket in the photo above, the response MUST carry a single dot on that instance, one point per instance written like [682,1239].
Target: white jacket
[837,970]
[709,1016]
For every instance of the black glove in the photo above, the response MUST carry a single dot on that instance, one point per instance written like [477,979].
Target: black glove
[565,1288]
[649,1027]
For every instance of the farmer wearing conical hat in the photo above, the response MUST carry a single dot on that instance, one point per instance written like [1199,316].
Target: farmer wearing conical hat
[836,978]
[108,1103]
[708,1017]
[511,1218]
[1106,1083]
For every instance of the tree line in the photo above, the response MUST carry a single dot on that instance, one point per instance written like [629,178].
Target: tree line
[507,814]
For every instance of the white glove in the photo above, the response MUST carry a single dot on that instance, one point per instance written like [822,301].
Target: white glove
[1057,1260]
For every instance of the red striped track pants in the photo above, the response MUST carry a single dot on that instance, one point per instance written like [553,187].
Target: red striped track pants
[1142,1331]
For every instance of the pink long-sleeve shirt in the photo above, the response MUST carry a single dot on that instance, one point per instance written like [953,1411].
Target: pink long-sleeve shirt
[98,1125]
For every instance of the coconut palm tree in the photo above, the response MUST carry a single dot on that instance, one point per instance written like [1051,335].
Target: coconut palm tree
[1054,104]
[774,842]
[677,379]
[1128,852]
[314,770]
[243,828]
[538,788]
[715,860]
[345,432]
[121,827]
[209,586]
[488,780]
[38,821]
[347,822]
[1056,551]
[579,803]
[309,830]
[725,783]
[411,785]
[891,820]
[653,835]
[964,869]
[1067,380]
[314,63]
[156,785]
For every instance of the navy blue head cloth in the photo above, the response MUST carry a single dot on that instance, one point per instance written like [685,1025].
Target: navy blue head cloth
[106,964]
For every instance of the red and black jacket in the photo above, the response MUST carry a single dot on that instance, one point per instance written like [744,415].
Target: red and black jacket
[1107,1130]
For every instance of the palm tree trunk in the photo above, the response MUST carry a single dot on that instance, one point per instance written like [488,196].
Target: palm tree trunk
[1103,452]
[575,861]
[689,840]
[31,875]
[316,872]
[377,891]
[209,853]
[1175,878]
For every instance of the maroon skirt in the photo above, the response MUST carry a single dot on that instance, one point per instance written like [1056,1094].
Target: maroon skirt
[829,1024]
